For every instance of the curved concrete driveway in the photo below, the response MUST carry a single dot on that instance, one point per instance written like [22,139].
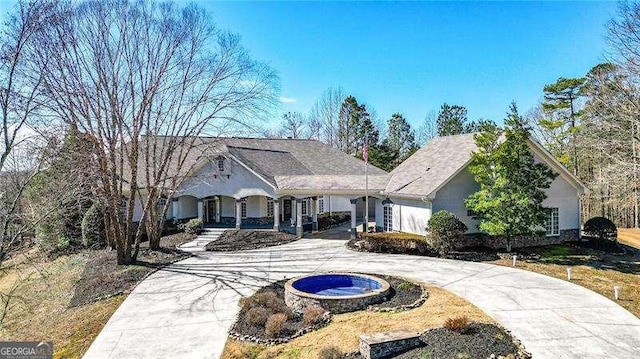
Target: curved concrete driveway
[185,310]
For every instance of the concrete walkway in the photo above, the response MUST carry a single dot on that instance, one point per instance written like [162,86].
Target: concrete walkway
[185,310]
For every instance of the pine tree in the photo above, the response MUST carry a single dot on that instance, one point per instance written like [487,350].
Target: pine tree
[560,104]
[401,138]
[512,184]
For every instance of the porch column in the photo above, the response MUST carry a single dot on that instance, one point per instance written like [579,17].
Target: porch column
[175,208]
[314,214]
[353,217]
[201,209]
[238,213]
[299,217]
[218,209]
[276,214]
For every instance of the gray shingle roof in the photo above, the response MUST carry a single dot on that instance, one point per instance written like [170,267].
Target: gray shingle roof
[317,157]
[332,183]
[431,166]
[269,163]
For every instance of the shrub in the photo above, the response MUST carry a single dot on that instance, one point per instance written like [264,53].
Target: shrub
[444,229]
[275,325]
[602,229]
[268,300]
[313,314]
[93,233]
[330,353]
[194,226]
[257,316]
[458,324]
[405,286]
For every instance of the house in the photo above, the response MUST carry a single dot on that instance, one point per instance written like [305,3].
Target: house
[436,178]
[258,182]
[276,183]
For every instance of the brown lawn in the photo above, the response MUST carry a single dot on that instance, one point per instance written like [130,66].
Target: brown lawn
[595,270]
[344,329]
[629,236]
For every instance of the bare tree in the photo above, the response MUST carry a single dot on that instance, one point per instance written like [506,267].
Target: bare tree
[294,125]
[326,112]
[143,80]
[20,108]
[428,130]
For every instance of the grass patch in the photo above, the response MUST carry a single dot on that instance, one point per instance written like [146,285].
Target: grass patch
[629,236]
[344,330]
[555,251]
[68,300]
[595,270]
[42,310]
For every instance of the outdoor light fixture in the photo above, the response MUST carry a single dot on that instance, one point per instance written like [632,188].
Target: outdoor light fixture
[514,260]
[569,274]
[616,292]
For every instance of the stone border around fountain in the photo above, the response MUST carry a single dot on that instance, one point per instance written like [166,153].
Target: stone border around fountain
[298,300]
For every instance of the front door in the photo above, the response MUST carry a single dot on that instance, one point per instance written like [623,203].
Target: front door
[211,211]
[286,209]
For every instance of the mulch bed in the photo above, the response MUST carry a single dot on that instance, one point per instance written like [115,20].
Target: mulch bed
[103,278]
[244,331]
[403,294]
[481,341]
[246,239]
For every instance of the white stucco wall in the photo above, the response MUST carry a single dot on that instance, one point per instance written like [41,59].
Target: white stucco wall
[451,198]
[187,207]
[409,215]
[564,196]
[241,183]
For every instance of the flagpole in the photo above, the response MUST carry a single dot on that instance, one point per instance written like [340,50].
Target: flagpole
[366,187]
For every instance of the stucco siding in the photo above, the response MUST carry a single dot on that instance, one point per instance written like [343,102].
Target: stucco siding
[240,183]
[409,215]
[564,196]
[187,207]
[451,198]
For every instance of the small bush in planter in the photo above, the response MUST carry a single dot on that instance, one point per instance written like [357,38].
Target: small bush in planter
[313,314]
[444,229]
[458,324]
[257,316]
[275,325]
[601,228]
[194,226]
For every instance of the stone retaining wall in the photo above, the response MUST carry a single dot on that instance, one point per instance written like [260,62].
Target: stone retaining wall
[496,242]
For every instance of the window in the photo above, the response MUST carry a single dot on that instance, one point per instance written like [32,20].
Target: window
[270,207]
[552,223]
[387,218]
[243,209]
[221,164]
[304,207]
[321,204]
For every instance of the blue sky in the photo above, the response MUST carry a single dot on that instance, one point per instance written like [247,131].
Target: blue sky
[412,57]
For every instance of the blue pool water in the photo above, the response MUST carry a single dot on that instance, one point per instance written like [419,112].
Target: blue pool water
[336,285]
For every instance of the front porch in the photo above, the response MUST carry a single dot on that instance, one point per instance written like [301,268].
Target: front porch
[295,215]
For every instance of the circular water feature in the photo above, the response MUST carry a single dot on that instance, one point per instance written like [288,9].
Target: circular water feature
[336,292]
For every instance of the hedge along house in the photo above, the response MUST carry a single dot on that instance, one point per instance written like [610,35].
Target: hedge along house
[271,183]
[436,178]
